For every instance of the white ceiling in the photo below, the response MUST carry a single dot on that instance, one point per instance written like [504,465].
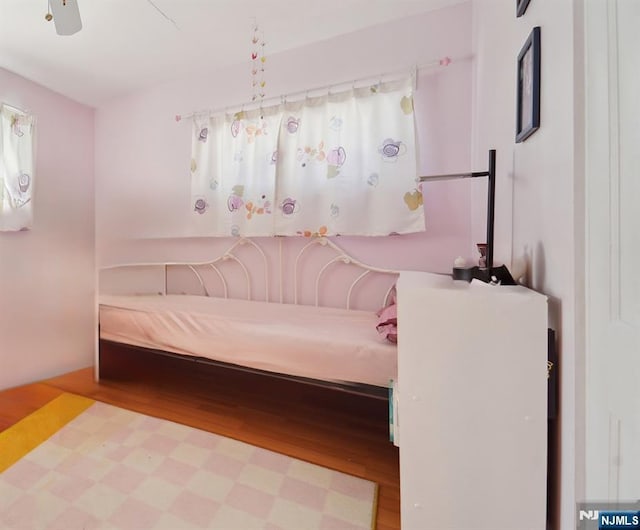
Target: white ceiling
[128,44]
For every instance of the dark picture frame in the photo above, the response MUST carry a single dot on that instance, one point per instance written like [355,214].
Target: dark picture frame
[521,7]
[528,91]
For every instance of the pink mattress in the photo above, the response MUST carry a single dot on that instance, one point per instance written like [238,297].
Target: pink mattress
[317,342]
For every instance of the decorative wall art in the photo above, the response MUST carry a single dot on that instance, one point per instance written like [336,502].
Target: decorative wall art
[521,7]
[528,91]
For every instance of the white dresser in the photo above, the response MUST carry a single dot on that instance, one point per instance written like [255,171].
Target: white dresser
[472,405]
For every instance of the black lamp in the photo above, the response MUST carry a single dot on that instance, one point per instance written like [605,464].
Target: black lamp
[488,273]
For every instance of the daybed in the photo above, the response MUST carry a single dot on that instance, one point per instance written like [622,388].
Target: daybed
[291,335]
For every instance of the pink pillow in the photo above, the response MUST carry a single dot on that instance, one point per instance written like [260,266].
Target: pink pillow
[388,320]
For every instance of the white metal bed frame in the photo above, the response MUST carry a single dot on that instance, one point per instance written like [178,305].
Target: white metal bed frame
[340,257]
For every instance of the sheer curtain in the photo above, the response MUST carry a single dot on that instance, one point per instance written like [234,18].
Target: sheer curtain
[17,131]
[340,163]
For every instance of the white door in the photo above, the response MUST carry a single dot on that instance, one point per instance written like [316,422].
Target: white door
[612,250]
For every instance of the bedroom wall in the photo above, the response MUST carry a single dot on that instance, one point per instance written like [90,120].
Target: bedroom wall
[142,154]
[47,302]
[539,185]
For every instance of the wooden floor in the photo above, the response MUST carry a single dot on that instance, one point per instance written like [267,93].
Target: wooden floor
[329,428]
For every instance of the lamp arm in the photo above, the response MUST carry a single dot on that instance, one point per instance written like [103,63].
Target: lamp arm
[491,197]
[453,176]
[491,205]
[486,274]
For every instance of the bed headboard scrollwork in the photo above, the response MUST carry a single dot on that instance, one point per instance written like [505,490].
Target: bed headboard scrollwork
[305,271]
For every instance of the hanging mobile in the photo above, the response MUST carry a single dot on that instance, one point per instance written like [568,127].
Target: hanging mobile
[258,59]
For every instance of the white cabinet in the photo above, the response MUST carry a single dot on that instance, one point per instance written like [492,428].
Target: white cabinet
[472,405]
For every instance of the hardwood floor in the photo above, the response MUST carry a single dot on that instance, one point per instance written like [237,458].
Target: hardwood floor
[330,428]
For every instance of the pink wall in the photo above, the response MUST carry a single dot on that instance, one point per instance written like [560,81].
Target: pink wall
[47,322]
[142,155]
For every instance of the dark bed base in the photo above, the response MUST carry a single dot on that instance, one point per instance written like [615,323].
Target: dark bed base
[123,361]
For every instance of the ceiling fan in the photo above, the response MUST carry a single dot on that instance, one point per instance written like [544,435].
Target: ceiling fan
[65,15]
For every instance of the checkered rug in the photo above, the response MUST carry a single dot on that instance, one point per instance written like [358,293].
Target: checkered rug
[110,468]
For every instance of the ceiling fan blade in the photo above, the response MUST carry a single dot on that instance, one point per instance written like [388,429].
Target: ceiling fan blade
[66,16]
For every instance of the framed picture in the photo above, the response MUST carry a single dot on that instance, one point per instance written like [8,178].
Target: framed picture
[528,98]
[521,7]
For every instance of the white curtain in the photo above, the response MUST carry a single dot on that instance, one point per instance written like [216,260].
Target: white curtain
[336,164]
[233,171]
[17,131]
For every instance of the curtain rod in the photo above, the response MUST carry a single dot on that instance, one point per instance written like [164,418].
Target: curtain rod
[443,62]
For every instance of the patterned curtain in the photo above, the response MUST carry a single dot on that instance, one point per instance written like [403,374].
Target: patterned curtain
[17,131]
[233,170]
[337,164]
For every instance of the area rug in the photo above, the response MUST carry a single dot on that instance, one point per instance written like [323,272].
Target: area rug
[89,465]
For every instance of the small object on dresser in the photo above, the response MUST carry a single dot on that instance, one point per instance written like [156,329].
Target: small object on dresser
[460,271]
[482,261]
[496,275]
[464,273]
